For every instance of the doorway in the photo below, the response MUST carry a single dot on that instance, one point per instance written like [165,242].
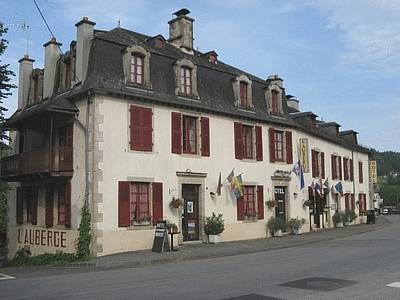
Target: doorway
[190,216]
[280,199]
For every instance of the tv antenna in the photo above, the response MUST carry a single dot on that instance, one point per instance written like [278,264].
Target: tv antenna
[25,27]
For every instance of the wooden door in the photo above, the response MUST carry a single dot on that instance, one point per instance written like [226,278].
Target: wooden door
[280,199]
[190,218]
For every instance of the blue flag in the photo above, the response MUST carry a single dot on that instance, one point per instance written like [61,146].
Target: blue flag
[339,188]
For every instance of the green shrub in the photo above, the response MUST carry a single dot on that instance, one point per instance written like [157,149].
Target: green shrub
[275,224]
[24,258]
[214,225]
[295,224]
[337,218]
[84,239]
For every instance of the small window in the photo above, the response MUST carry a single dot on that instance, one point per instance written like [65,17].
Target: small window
[247,141]
[318,164]
[159,43]
[137,69]
[139,202]
[280,146]
[189,135]
[275,102]
[186,81]
[249,198]
[212,58]
[243,94]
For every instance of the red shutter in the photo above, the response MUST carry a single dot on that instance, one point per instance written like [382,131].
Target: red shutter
[340,168]
[176,133]
[34,202]
[351,170]
[136,137]
[49,216]
[20,205]
[260,202]
[124,194]
[157,202]
[314,161]
[345,169]
[346,201]
[238,140]
[289,150]
[240,209]
[360,203]
[205,136]
[67,199]
[333,166]
[259,145]
[353,203]
[322,165]
[271,135]
[147,129]
[360,172]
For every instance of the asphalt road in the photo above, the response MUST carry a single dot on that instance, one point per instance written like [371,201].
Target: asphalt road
[365,263]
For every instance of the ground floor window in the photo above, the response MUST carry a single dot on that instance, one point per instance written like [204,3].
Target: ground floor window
[349,201]
[140,202]
[249,198]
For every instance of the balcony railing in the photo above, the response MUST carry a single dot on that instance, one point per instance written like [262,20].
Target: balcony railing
[58,159]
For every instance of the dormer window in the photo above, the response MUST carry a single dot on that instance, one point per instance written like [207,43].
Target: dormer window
[186,81]
[159,43]
[242,92]
[273,95]
[275,102]
[137,66]
[186,78]
[137,69]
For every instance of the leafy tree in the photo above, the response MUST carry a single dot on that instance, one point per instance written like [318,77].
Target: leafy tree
[5,82]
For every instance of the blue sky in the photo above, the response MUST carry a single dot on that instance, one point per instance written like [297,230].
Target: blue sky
[341,59]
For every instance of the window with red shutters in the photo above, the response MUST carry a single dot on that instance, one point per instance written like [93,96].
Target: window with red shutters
[280,146]
[340,168]
[275,102]
[137,69]
[141,128]
[20,205]
[322,167]
[61,204]
[240,209]
[67,198]
[249,199]
[346,168]
[360,172]
[353,202]
[205,136]
[189,135]
[176,135]
[271,138]
[289,150]
[347,203]
[157,194]
[260,202]
[336,167]
[318,164]
[139,202]
[31,194]
[243,94]
[247,132]
[333,166]
[362,203]
[238,136]
[186,81]
[49,216]
[351,170]
[64,204]
[259,147]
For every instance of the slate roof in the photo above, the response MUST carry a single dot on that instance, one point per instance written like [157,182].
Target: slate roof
[214,81]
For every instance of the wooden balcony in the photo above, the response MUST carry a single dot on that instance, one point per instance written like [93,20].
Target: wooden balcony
[57,161]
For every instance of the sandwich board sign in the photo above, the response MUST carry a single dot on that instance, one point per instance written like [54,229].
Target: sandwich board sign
[160,237]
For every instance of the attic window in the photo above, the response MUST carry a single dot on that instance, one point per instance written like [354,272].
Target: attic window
[159,43]
[212,58]
[137,66]
[243,94]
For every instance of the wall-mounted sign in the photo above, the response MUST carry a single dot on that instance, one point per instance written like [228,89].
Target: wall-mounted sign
[42,237]
[189,207]
[191,227]
[279,190]
[373,171]
[304,155]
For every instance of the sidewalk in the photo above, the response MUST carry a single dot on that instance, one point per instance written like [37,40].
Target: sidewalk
[203,250]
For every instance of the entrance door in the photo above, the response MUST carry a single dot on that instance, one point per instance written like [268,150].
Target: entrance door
[319,209]
[190,218]
[280,208]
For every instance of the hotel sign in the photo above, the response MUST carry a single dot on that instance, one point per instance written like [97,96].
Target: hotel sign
[42,237]
[304,158]
[373,171]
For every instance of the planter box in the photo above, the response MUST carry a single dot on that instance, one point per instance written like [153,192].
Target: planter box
[363,219]
[278,233]
[296,231]
[214,238]
[348,223]
[339,225]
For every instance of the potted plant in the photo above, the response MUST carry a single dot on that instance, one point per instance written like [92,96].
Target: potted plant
[348,217]
[171,226]
[176,202]
[213,227]
[338,219]
[141,221]
[276,226]
[271,204]
[295,225]
[363,218]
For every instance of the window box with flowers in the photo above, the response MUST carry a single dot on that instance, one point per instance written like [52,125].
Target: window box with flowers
[142,221]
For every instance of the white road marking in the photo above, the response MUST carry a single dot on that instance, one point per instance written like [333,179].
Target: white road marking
[394,284]
[5,277]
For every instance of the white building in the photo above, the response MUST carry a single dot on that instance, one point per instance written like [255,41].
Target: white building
[131,122]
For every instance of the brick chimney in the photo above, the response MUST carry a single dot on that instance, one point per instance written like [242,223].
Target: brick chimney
[181,31]
[51,56]
[25,71]
[84,36]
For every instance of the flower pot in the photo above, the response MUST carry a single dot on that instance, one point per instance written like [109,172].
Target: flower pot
[214,238]
[296,231]
[363,219]
[278,233]
[347,223]
[339,225]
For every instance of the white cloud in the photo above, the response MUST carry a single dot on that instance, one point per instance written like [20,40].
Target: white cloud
[370,29]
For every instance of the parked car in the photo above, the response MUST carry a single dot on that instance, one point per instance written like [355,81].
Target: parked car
[385,211]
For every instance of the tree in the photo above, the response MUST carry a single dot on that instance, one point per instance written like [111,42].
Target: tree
[5,82]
